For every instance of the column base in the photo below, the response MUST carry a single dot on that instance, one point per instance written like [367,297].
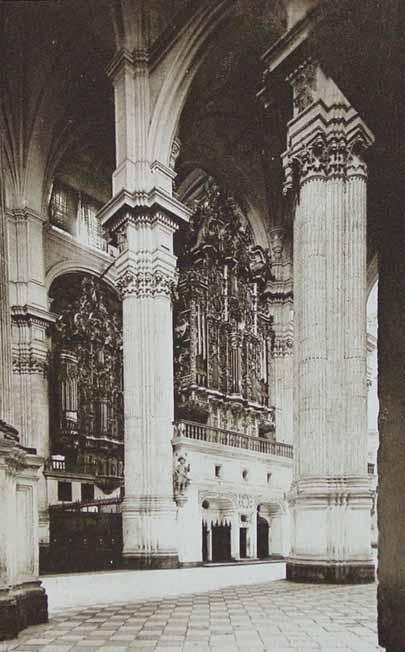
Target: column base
[150,562]
[21,608]
[330,573]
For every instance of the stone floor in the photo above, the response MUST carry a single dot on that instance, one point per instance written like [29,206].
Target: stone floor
[276,616]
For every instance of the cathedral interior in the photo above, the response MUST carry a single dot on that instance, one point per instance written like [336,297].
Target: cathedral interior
[201,289]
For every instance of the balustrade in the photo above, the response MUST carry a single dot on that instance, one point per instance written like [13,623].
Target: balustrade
[82,467]
[212,435]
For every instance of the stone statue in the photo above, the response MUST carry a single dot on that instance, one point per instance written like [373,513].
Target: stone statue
[181,477]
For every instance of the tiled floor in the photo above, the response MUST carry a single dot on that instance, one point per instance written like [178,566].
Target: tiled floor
[277,616]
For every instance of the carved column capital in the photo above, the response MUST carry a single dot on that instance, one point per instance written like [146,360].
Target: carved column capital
[142,284]
[326,136]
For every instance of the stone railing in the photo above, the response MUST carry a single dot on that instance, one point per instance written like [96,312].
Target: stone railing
[211,435]
[62,466]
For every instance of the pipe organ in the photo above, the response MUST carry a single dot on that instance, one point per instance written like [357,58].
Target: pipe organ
[86,375]
[223,334]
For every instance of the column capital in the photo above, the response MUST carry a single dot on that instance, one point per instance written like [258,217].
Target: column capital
[326,136]
[30,349]
[146,284]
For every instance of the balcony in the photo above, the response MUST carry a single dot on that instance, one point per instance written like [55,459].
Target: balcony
[211,435]
[59,465]
[107,477]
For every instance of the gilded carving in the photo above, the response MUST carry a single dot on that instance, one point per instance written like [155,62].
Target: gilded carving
[222,318]
[86,377]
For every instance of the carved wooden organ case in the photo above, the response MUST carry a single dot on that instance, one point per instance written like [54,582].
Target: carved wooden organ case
[88,416]
[223,333]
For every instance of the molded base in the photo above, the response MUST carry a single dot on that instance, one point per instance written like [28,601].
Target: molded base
[20,609]
[330,573]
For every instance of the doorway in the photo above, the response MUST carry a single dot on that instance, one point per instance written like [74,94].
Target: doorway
[204,542]
[243,543]
[221,542]
[262,537]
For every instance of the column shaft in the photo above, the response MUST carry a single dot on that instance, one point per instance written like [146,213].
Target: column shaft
[145,275]
[331,494]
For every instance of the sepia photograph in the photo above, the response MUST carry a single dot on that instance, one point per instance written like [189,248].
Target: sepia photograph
[202,297]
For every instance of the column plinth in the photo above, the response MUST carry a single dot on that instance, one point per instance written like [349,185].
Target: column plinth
[330,500]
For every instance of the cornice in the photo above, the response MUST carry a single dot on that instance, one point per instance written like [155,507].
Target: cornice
[25,213]
[32,314]
[290,41]
[17,458]
[140,203]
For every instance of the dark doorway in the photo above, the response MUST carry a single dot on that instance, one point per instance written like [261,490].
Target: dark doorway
[204,542]
[243,543]
[221,542]
[262,537]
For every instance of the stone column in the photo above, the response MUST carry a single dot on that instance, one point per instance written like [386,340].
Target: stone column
[22,600]
[146,270]
[253,531]
[235,541]
[280,292]
[326,171]
[209,542]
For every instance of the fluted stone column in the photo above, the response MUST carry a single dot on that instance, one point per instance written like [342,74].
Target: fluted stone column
[280,290]
[330,498]
[146,270]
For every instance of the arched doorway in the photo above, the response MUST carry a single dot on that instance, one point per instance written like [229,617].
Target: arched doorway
[221,542]
[217,529]
[263,531]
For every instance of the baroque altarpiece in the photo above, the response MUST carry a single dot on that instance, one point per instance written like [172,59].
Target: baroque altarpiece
[223,336]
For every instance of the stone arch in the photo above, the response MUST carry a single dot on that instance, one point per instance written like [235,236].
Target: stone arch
[275,514]
[223,505]
[180,68]
[71,266]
